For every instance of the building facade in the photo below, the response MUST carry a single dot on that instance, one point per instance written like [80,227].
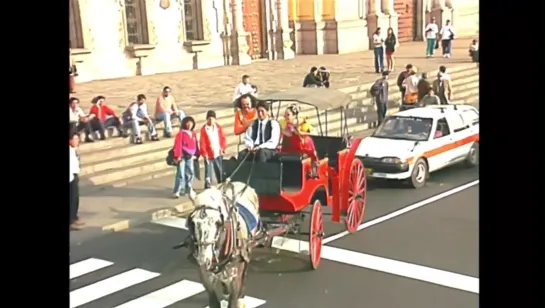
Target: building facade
[121,38]
[344,26]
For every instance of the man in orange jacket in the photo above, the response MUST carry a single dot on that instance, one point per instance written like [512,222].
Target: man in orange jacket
[212,147]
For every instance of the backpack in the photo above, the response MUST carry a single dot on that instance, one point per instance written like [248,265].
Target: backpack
[170,158]
[374,90]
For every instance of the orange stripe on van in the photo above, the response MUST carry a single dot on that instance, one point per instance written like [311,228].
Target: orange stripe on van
[446,147]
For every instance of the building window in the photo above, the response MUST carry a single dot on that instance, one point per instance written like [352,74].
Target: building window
[193,20]
[136,21]
[76,33]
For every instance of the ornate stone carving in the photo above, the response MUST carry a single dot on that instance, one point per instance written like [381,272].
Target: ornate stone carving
[121,23]
[181,24]
[164,4]
[206,31]
[152,34]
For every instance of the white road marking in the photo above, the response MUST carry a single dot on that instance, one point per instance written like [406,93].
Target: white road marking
[87,266]
[399,268]
[403,210]
[166,296]
[174,222]
[108,286]
[251,302]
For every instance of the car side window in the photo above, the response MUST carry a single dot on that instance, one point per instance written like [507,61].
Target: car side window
[442,129]
[471,117]
[457,123]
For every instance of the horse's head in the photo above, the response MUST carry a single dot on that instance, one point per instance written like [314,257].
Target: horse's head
[207,224]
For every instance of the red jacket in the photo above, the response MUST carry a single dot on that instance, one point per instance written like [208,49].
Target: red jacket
[205,146]
[102,112]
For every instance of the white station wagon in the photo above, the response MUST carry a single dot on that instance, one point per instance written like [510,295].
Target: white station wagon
[411,144]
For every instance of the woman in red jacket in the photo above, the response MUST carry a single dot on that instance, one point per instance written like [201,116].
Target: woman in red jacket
[212,147]
[296,137]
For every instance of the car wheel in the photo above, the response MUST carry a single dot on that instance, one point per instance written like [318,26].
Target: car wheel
[472,159]
[419,174]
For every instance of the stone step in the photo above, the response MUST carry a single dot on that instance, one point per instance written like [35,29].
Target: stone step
[358,94]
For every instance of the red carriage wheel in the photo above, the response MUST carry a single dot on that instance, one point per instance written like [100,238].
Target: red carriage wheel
[357,194]
[316,234]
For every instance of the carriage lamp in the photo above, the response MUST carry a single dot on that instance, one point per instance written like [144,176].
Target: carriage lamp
[392,160]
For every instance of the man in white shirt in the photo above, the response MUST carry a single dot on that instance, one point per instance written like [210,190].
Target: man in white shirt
[244,88]
[79,121]
[431,37]
[411,90]
[378,48]
[136,115]
[75,222]
[447,35]
[262,137]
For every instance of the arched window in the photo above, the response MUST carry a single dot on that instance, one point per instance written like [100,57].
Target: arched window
[192,16]
[136,21]
[76,33]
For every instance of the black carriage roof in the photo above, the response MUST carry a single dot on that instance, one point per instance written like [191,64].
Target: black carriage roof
[320,97]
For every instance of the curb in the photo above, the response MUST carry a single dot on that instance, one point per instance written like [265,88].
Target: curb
[185,207]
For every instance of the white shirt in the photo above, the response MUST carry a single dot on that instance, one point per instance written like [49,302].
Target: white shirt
[446,32]
[214,136]
[242,89]
[378,41]
[431,31]
[270,144]
[411,84]
[74,163]
[134,108]
[76,114]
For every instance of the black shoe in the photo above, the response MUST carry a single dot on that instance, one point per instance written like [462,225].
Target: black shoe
[207,185]
[89,139]
[154,138]
[138,140]
[169,135]
[103,137]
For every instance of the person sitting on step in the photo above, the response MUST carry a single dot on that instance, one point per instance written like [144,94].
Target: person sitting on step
[135,115]
[106,117]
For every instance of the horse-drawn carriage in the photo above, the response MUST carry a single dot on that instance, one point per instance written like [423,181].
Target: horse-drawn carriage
[261,200]
[284,185]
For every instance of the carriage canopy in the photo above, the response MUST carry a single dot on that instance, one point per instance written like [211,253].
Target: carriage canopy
[320,98]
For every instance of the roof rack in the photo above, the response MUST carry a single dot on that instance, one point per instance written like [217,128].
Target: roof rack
[444,107]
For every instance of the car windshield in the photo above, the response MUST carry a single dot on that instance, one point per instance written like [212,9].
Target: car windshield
[404,128]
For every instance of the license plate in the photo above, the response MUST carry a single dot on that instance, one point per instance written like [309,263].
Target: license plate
[368,170]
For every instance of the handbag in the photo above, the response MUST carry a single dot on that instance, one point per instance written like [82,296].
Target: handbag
[170,158]
[436,44]
[451,37]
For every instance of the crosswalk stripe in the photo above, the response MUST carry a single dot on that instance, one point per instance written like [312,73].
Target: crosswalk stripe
[166,296]
[87,266]
[251,302]
[108,286]
[174,222]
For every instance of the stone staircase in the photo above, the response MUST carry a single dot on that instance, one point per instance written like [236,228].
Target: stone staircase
[115,162]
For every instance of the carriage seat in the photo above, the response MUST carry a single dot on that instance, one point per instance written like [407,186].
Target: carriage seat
[328,146]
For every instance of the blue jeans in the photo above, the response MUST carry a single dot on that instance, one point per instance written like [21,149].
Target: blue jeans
[379,59]
[216,165]
[430,46]
[166,118]
[184,175]
[135,125]
[446,44]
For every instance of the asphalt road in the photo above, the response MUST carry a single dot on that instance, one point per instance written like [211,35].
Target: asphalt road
[426,257]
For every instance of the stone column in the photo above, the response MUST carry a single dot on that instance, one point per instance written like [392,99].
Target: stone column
[283,38]
[388,9]
[440,11]
[375,19]
[239,36]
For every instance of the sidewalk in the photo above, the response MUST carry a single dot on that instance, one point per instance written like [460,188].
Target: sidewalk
[115,209]
[199,90]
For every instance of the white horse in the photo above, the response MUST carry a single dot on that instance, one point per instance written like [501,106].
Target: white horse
[225,218]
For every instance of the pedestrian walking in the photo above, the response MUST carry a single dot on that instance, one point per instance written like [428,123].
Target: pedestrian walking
[423,86]
[379,92]
[75,221]
[442,86]
[411,90]
[185,151]
[212,145]
[400,78]
[447,35]
[378,48]
[390,45]
[431,37]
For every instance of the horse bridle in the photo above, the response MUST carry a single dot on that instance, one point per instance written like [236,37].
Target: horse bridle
[202,209]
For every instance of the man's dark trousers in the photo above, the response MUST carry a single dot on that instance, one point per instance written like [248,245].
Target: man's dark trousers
[382,107]
[261,155]
[74,199]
